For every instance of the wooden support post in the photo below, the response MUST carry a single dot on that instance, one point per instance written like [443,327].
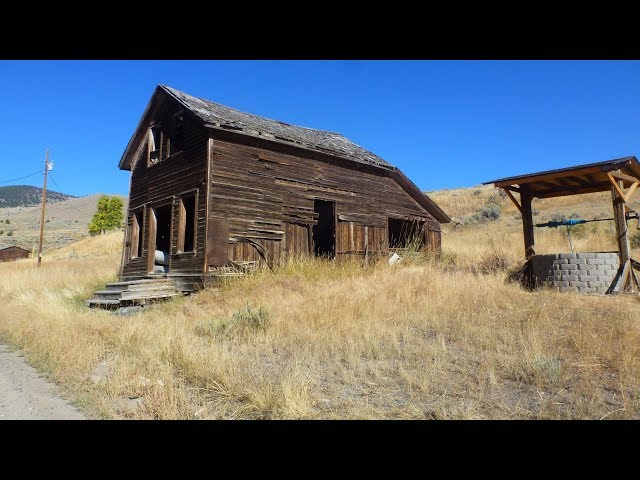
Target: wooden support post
[527,224]
[624,249]
[44,204]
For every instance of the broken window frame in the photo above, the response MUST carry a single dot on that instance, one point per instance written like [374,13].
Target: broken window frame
[155,141]
[163,145]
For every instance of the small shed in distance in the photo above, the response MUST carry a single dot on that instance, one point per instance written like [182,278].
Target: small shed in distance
[13,253]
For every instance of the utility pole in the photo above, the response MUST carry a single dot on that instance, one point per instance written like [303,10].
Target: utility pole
[44,201]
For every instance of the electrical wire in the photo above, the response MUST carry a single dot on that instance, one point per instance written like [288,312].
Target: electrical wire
[55,183]
[491,199]
[20,178]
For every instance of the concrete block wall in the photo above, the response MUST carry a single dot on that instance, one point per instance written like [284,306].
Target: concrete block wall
[576,272]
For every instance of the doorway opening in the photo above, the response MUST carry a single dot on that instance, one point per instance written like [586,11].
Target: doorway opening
[159,256]
[324,233]
[163,228]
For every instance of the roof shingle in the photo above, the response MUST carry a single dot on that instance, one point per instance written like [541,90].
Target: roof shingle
[226,117]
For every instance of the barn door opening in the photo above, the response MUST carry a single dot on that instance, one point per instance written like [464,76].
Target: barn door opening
[161,239]
[324,233]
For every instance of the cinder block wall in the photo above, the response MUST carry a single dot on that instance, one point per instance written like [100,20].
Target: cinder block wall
[576,272]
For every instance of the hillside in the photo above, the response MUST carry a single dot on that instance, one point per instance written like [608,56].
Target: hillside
[486,227]
[28,196]
[66,222]
[426,338]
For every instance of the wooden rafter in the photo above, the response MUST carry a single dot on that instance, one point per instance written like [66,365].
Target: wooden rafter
[513,188]
[550,184]
[571,190]
[578,180]
[589,177]
[626,197]
[623,176]
[563,181]
[513,199]
[631,191]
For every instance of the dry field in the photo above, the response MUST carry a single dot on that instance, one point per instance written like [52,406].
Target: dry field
[426,338]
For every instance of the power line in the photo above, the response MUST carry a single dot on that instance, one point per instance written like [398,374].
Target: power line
[55,183]
[20,178]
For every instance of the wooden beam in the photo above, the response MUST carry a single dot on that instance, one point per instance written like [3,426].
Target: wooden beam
[573,190]
[527,226]
[624,249]
[617,187]
[512,188]
[564,182]
[623,176]
[550,176]
[579,181]
[513,199]
[633,278]
[624,278]
[630,192]
[589,177]
[550,184]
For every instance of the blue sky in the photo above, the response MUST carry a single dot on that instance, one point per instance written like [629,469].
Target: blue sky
[445,124]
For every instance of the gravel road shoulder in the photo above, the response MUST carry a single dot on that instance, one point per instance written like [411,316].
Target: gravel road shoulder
[25,395]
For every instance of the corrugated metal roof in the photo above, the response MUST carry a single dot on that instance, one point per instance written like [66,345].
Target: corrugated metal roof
[225,117]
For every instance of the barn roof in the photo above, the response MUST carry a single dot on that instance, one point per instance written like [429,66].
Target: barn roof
[218,115]
[15,247]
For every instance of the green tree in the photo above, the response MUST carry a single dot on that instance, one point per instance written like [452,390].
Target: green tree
[108,216]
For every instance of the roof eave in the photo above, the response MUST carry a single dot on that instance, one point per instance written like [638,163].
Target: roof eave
[597,166]
[426,202]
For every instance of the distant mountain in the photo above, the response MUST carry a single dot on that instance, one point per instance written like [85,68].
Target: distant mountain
[28,196]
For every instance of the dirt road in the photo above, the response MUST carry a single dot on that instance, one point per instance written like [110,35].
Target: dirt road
[25,395]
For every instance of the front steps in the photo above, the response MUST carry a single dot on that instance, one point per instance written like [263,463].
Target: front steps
[137,292]
[134,291]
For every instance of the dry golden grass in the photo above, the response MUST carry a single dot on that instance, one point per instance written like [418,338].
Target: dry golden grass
[425,338]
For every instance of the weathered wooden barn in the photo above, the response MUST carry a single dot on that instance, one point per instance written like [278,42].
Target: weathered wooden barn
[214,188]
[9,254]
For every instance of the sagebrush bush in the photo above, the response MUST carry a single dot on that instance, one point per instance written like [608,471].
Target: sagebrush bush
[493,262]
[486,214]
[635,239]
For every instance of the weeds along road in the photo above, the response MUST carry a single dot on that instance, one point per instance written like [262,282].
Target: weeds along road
[25,395]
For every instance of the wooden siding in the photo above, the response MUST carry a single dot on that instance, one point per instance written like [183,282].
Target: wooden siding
[265,193]
[359,240]
[298,240]
[10,254]
[184,172]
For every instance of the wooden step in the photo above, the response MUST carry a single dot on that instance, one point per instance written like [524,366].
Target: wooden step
[149,294]
[143,298]
[148,286]
[108,294]
[138,282]
[99,302]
